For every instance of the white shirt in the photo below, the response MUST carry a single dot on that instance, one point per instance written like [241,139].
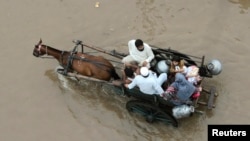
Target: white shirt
[184,69]
[147,85]
[140,56]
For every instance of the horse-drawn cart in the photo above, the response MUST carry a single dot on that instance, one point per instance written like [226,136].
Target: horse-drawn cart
[152,107]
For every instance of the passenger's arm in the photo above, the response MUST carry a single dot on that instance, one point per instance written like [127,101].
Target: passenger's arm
[150,53]
[131,47]
[132,84]
[158,88]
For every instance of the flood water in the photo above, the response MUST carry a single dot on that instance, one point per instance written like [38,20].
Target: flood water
[37,104]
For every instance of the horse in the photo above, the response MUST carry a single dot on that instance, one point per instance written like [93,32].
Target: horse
[85,64]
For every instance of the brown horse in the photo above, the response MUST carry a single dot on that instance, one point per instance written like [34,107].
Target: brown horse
[82,63]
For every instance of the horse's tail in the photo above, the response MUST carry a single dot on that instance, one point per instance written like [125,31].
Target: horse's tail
[114,74]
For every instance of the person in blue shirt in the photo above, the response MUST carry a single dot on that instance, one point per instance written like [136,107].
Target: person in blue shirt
[180,91]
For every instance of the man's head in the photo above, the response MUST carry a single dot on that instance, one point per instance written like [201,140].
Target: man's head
[129,72]
[144,71]
[139,44]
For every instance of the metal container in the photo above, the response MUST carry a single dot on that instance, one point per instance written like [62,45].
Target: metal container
[182,111]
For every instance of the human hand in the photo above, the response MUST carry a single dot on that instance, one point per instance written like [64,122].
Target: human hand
[126,85]
[144,64]
[199,88]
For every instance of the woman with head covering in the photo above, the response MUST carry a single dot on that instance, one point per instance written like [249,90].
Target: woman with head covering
[180,91]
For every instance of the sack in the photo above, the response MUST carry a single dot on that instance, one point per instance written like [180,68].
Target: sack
[182,111]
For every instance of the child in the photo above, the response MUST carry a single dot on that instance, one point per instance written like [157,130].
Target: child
[192,74]
[177,65]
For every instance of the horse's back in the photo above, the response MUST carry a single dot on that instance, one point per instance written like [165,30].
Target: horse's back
[94,66]
[97,59]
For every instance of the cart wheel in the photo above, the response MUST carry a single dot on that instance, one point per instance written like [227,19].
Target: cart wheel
[150,112]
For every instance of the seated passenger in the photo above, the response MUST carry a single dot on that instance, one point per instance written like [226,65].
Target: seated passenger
[180,91]
[140,52]
[178,66]
[148,82]
[129,72]
[192,75]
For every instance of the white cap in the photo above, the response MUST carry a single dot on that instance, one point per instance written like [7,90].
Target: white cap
[144,71]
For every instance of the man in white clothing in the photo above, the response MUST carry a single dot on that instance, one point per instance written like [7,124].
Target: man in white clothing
[140,52]
[148,82]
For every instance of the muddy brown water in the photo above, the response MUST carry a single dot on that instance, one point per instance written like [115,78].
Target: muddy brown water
[36,104]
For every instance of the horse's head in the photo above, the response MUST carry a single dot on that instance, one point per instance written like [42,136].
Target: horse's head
[38,49]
